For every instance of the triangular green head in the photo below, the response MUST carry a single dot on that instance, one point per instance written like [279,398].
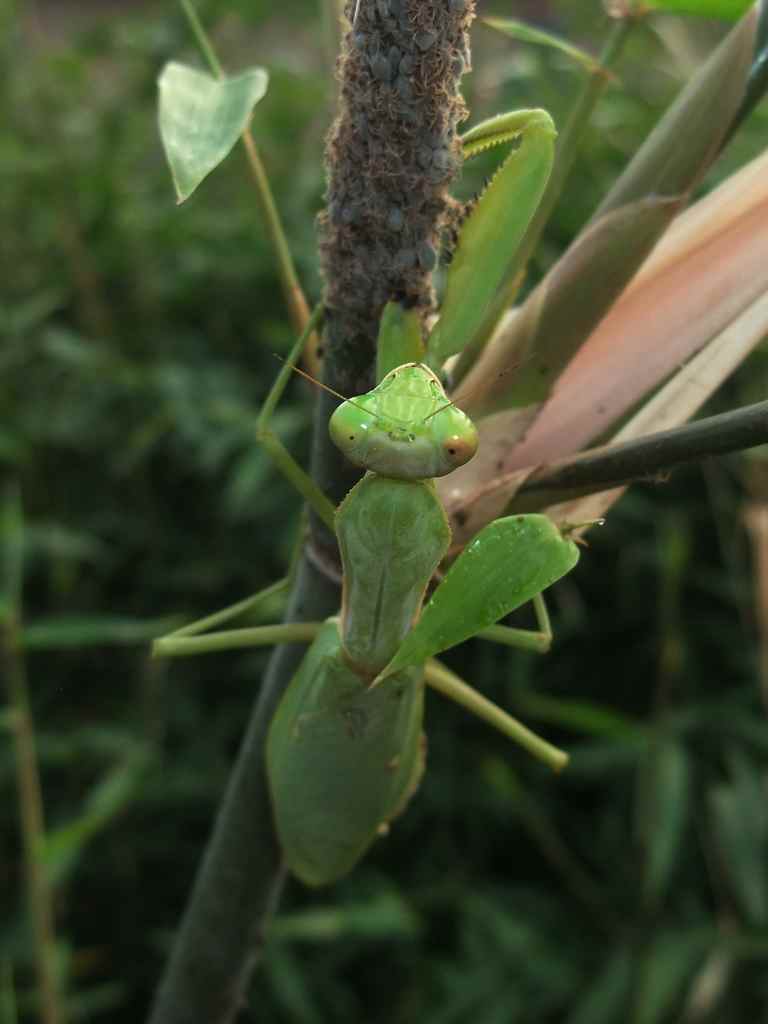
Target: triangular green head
[405,428]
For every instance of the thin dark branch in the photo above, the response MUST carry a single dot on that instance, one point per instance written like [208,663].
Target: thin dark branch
[612,465]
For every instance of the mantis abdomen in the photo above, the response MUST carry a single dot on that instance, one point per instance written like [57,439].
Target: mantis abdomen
[342,759]
[392,535]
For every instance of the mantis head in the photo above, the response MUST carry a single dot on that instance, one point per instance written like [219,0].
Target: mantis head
[405,427]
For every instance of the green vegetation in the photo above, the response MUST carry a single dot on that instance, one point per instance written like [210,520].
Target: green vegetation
[137,343]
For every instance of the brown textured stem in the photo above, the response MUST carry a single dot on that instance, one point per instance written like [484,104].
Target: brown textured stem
[392,152]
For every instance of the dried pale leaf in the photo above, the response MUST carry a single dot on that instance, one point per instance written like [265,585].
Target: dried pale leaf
[530,34]
[689,135]
[741,195]
[523,361]
[708,266]
[678,401]
[661,320]
[670,162]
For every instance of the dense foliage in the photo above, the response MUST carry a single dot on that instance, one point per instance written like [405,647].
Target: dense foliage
[137,344]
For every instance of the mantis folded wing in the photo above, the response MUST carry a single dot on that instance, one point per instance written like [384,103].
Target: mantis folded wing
[345,749]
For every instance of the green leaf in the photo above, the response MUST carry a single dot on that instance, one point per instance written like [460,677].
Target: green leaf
[668,796]
[8,721]
[580,716]
[529,34]
[553,323]
[608,994]
[681,147]
[385,915]
[93,632]
[399,339]
[110,796]
[508,563]
[7,993]
[668,965]
[757,81]
[11,549]
[201,119]
[288,980]
[740,825]
[727,9]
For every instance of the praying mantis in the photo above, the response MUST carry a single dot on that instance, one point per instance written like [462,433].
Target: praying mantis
[345,748]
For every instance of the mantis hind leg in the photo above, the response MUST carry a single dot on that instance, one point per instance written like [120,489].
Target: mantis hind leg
[539,640]
[450,685]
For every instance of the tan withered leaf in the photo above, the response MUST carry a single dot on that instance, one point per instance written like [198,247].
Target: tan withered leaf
[677,402]
[710,271]
[711,268]
[556,318]
[561,313]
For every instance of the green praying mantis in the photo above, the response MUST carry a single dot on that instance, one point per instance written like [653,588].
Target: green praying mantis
[345,748]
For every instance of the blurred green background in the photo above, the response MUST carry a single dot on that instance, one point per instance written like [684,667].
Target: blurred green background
[137,343]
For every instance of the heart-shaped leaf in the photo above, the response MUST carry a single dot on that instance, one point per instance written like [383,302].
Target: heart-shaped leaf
[202,117]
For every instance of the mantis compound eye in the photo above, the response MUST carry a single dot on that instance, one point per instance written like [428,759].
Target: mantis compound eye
[459,449]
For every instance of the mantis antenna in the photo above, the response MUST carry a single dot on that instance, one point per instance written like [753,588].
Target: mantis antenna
[472,391]
[325,387]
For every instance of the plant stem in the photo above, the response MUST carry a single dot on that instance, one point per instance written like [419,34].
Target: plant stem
[206,48]
[612,465]
[30,799]
[39,892]
[8,1014]
[578,119]
[239,882]
[295,299]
